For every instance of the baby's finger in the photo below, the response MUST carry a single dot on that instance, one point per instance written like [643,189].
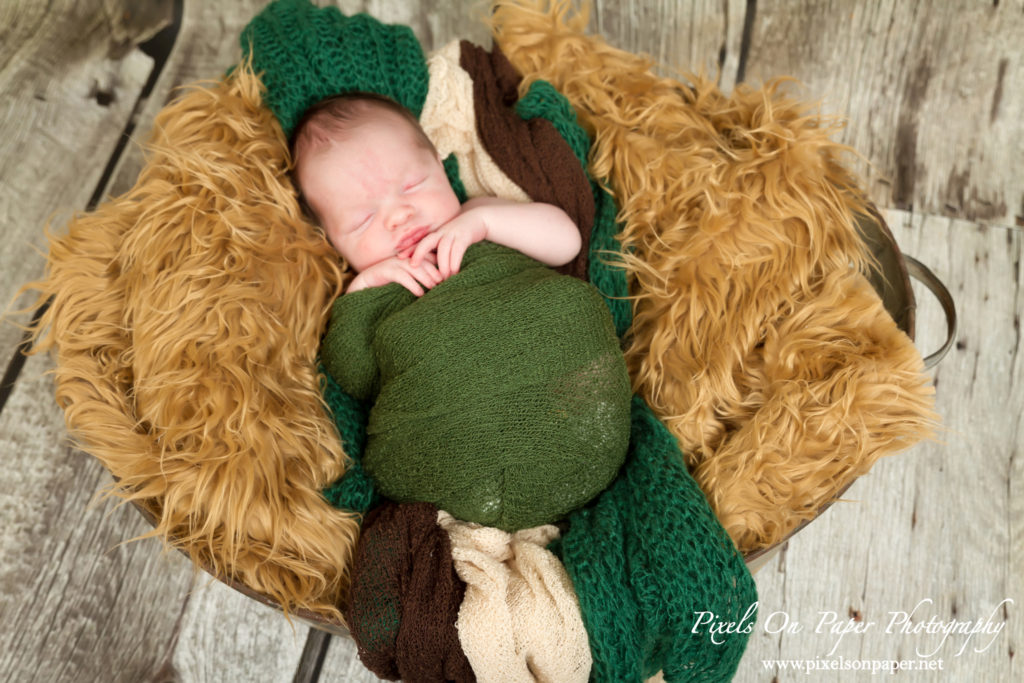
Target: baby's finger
[425,246]
[428,274]
[406,279]
[435,273]
[455,258]
[455,253]
[444,256]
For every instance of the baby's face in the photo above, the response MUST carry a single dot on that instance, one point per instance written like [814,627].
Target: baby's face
[377,190]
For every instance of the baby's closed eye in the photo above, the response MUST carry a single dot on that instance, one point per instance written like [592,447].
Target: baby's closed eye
[413,185]
[361,223]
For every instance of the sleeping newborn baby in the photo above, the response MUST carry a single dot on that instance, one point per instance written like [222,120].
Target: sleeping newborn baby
[498,389]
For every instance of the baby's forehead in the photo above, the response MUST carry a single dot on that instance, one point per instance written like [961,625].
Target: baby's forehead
[385,144]
[368,162]
[326,126]
[385,129]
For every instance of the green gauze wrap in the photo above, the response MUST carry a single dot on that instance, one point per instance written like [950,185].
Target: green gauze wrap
[501,395]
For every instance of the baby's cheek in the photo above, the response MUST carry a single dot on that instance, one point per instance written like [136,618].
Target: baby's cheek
[449,206]
[334,242]
[354,252]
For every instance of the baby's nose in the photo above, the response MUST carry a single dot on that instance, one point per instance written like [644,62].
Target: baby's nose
[399,216]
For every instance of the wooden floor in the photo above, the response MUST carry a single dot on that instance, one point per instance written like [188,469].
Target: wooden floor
[935,97]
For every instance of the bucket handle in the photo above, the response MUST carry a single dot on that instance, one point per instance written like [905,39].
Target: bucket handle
[925,276]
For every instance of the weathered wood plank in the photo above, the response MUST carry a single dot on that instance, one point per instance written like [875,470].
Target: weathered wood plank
[69,591]
[226,636]
[933,92]
[206,45]
[342,664]
[685,36]
[216,634]
[75,603]
[434,22]
[61,115]
[942,522]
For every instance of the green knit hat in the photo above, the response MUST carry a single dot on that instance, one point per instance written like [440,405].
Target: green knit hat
[306,53]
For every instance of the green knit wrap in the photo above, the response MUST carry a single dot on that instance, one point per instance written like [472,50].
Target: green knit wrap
[500,395]
[645,558]
[305,53]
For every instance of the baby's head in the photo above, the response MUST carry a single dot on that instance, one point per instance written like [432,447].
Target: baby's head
[370,177]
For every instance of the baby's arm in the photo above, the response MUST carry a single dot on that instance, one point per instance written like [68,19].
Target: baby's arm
[347,350]
[541,231]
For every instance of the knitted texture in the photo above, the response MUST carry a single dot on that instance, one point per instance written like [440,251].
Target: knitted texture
[543,101]
[305,53]
[605,264]
[405,597]
[645,558]
[500,395]
[451,169]
[519,619]
[354,491]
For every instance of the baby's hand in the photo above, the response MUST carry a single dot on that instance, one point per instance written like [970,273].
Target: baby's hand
[449,242]
[417,279]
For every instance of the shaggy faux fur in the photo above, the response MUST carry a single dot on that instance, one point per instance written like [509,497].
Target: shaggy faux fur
[186,314]
[185,320]
[755,338]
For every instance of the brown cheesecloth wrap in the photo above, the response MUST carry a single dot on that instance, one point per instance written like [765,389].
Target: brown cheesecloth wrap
[405,597]
[532,153]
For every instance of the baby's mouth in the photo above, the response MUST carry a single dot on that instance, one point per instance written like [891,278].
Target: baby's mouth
[412,238]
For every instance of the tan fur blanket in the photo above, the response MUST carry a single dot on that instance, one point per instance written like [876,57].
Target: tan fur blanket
[185,322]
[186,314]
[763,350]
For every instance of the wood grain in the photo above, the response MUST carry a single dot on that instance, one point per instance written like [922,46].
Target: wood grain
[61,116]
[75,603]
[342,664]
[933,93]
[225,636]
[70,595]
[679,36]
